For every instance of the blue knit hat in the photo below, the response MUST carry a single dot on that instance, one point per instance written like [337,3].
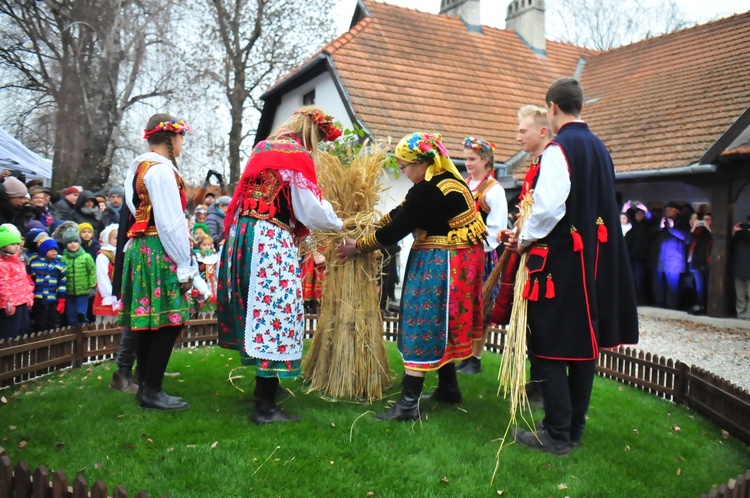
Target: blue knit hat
[47,245]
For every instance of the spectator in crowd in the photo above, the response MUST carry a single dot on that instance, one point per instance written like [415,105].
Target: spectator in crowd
[389,277]
[65,206]
[88,242]
[101,202]
[16,288]
[625,224]
[215,219]
[40,204]
[741,248]
[669,257]
[87,211]
[13,203]
[638,242]
[81,278]
[699,258]
[106,306]
[111,213]
[50,276]
[199,217]
[203,196]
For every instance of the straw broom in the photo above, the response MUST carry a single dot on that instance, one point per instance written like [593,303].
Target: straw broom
[512,375]
[347,357]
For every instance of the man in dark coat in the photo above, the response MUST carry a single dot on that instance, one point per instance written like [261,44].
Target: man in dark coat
[87,211]
[111,213]
[669,257]
[581,294]
[741,256]
[64,207]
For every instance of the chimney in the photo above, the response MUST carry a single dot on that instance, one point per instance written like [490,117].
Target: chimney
[526,17]
[467,10]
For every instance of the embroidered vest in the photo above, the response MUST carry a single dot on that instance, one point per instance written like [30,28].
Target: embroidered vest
[269,201]
[144,217]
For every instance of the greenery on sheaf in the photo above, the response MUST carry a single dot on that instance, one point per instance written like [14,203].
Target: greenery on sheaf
[350,144]
[635,444]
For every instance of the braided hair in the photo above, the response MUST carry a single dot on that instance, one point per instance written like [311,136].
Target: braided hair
[163,136]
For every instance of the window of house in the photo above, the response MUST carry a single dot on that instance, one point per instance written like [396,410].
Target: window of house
[309,98]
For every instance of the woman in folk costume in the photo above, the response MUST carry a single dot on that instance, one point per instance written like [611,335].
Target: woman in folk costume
[441,304]
[489,196]
[276,203]
[106,305]
[157,271]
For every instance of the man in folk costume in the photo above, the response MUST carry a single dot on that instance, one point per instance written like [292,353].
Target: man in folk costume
[534,134]
[441,307]
[580,289]
[275,204]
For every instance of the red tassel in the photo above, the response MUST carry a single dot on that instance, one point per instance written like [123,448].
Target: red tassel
[534,296]
[550,291]
[601,231]
[526,289]
[577,241]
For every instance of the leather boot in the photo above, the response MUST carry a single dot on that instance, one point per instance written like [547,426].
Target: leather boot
[123,382]
[266,412]
[157,399]
[447,390]
[407,407]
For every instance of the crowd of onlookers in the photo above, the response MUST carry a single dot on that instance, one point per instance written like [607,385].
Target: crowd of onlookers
[57,253]
[66,245]
[670,256]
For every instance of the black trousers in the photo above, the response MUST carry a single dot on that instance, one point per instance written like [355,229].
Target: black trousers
[566,387]
[154,347]
[44,315]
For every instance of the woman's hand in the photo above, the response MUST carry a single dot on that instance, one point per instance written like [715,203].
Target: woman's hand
[504,235]
[347,249]
[186,286]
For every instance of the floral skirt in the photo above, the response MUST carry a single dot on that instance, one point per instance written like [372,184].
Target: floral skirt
[441,306]
[260,307]
[151,296]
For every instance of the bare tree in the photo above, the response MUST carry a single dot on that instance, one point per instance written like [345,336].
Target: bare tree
[259,41]
[84,61]
[605,24]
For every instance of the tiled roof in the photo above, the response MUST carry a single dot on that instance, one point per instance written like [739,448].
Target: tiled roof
[662,102]
[407,71]
[658,103]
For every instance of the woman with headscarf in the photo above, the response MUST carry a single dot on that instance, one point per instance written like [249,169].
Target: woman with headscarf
[157,270]
[441,303]
[276,203]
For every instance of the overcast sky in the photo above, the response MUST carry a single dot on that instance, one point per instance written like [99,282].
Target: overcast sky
[493,11]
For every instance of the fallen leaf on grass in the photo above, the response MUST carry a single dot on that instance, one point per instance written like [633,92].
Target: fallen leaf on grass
[191,446]
[98,377]
[216,443]
[333,425]
[627,448]
[169,450]
[22,445]
[97,466]
[12,427]
[500,492]
[332,462]
[635,431]
[562,485]
[2,398]
[370,493]
[676,428]
[724,434]
[679,472]
[59,446]
[444,480]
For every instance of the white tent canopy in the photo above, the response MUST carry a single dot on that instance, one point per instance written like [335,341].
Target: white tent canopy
[15,156]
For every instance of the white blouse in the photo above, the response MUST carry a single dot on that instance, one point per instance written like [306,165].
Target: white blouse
[551,192]
[314,214]
[497,219]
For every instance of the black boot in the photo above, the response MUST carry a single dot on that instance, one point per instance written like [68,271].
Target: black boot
[473,367]
[265,410]
[447,390]
[407,407]
[155,398]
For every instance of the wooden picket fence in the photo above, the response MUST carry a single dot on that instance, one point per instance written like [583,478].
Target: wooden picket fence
[39,354]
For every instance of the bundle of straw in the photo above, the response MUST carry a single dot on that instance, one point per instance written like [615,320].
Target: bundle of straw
[347,358]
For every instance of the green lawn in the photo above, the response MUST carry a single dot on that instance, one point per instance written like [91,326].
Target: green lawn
[635,445]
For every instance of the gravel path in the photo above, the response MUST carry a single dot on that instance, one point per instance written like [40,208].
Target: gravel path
[722,350]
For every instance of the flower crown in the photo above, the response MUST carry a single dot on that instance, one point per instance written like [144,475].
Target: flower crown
[174,126]
[427,146]
[330,128]
[480,145]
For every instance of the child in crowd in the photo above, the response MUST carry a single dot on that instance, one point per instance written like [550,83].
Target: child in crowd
[49,275]
[200,231]
[106,306]
[208,261]
[91,246]
[16,288]
[81,284]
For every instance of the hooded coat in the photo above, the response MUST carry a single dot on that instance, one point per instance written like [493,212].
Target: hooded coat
[93,215]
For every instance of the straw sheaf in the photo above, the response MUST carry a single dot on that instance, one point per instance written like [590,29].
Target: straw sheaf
[347,357]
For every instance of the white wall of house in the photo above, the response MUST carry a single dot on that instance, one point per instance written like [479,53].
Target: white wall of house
[326,96]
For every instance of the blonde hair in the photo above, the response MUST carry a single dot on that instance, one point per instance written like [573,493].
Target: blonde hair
[538,113]
[301,124]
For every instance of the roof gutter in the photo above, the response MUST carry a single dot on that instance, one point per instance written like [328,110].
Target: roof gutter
[693,169]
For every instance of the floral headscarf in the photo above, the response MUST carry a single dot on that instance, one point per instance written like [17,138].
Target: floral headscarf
[427,147]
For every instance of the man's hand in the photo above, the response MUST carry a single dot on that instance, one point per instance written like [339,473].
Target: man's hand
[347,249]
